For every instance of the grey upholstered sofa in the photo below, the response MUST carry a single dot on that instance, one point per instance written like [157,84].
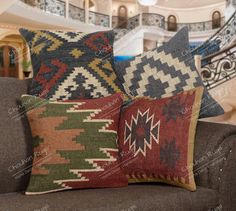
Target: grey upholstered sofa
[215,168]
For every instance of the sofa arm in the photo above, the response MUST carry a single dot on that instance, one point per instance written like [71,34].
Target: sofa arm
[215,161]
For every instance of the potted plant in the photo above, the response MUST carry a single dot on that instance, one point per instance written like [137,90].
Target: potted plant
[26,68]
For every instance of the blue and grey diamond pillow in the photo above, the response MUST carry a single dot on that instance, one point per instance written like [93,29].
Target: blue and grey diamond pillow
[164,72]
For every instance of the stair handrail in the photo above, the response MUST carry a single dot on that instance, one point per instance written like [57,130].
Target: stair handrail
[209,57]
[214,37]
[219,67]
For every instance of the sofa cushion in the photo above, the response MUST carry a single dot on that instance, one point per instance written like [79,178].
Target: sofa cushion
[164,72]
[71,65]
[75,143]
[133,198]
[15,138]
[156,139]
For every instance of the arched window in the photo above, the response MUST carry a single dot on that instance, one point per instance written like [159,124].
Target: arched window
[122,16]
[172,23]
[216,20]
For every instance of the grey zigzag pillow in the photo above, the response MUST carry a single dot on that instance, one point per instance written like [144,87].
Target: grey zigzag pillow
[164,72]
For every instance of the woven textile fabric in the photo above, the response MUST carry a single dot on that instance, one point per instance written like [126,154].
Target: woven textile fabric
[71,65]
[164,72]
[156,139]
[75,144]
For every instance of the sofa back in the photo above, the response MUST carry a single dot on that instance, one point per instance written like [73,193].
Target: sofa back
[15,137]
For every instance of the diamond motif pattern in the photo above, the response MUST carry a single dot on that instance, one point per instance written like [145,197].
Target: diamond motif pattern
[83,67]
[165,72]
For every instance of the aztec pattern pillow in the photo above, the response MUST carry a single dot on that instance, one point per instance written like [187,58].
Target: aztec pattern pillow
[164,72]
[75,144]
[72,65]
[156,139]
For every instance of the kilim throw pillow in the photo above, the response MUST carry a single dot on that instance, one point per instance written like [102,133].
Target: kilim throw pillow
[164,72]
[71,65]
[156,139]
[75,144]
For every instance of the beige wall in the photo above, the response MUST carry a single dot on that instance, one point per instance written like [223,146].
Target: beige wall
[190,15]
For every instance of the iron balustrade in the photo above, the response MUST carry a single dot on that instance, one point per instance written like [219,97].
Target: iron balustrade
[199,26]
[56,7]
[153,19]
[76,13]
[219,68]
[121,28]
[99,19]
[222,37]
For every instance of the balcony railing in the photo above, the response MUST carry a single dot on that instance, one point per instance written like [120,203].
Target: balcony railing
[121,28]
[99,19]
[152,19]
[56,7]
[200,26]
[76,13]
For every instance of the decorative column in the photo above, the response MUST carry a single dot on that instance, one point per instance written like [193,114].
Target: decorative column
[140,14]
[86,11]
[67,8]
[111,12]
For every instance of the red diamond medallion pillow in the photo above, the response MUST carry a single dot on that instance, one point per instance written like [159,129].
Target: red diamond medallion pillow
[156,139]
[75,144]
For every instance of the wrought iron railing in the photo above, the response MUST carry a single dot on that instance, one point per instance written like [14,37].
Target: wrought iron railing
[152,19]
[76,13]
[222,37]
[122,28]
[219,67]
[200,26]
[56,7]
[99,19]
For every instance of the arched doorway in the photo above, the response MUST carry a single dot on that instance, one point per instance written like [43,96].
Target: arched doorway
[216,20]
[122,16]
[8,62]
[91,5]
[172,23]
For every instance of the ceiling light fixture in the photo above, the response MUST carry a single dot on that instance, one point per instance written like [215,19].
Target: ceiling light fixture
[148,2]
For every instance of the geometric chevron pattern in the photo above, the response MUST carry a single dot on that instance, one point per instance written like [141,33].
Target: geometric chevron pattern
[75,144]
[72,65]
[164,72]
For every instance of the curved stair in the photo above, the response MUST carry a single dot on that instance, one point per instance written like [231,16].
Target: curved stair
[219,67]
[222,38]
